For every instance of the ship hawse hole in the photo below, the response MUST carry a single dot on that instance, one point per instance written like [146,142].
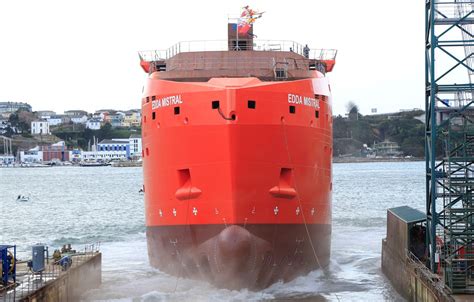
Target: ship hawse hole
[215,104]
[316,114]
[285,177]
[184,177]
[251,104]
[176,110]
[233,117]
[292,109]
[153,115]
[147,99]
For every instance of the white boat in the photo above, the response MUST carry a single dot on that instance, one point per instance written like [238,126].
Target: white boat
[93,164]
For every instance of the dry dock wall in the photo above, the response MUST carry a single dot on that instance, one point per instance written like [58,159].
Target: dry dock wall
[407,274]
[70,286]
[412,280]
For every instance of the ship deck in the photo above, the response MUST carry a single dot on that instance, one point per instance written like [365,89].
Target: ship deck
[266,60]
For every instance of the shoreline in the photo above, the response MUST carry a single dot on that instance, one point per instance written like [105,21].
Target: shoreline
[337,160]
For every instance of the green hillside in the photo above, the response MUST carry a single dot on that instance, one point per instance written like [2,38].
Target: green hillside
[403,128]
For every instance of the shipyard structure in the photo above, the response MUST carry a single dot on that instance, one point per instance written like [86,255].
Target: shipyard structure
[430,256]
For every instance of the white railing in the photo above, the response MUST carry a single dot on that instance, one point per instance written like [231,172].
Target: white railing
[225,45]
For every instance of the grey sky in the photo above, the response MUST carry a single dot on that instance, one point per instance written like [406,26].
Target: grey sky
[63,55]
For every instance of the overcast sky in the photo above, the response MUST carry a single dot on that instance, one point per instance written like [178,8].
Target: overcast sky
[61,55]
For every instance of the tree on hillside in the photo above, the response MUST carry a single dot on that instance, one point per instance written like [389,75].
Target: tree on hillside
[22,119]
[8,132]
[105,131]
[353,110]
[340,127]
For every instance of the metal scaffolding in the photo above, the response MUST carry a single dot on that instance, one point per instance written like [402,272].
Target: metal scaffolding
[449,148]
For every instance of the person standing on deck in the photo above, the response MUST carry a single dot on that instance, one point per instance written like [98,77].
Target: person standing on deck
[306,51]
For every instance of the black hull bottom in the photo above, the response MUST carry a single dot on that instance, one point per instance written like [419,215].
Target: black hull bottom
[234,256]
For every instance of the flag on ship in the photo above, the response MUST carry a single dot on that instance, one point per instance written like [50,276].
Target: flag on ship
[247,18]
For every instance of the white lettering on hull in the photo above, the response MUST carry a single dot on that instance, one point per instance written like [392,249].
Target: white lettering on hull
[166,101]
[303,100]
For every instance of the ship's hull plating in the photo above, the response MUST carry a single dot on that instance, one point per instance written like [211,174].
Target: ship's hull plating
[239,256]
[238,192]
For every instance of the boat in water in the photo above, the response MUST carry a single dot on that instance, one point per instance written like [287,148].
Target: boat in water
[23,198]
[93,164]
[237,150]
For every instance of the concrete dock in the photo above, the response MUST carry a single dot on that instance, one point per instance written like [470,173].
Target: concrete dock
[402,259]
[57,282]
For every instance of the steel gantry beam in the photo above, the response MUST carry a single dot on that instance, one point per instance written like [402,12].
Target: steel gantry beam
[449,144]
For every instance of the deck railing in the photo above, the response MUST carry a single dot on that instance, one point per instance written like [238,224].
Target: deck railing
[236,63]
[236,45]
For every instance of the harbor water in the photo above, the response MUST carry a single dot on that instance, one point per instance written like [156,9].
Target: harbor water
[80,205]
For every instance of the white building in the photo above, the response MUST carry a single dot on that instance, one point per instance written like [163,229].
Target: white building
[135,142]
[93,124]
[6,160]
[45,114]
[39,127]
[99,116]
[31,156]
[79,119]
[55,120]
[72,113]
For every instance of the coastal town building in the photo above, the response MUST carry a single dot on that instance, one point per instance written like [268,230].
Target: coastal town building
[7,108]
[6,160]
[45,114]
[55,152]
[99,116]
[116,120]
[55,120]
[79,119]
[39,127]
[135,142]
[387,149]
[66,119]
[6,128]
[46,153]
[105,150]
[132,118]
[93,124]
[104,114]
[33,155]
[115,145]
[72,113]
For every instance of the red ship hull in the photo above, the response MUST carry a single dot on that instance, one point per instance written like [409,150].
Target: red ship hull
[237,177]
